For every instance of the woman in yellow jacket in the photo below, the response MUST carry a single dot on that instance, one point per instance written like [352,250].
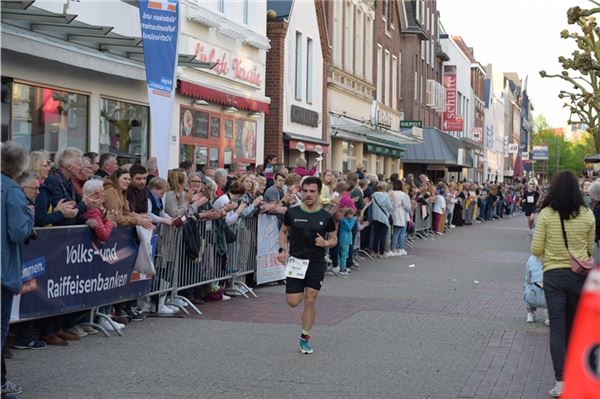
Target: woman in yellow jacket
[561,286]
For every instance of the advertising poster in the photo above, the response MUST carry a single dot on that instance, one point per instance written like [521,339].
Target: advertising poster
[159,20]
[267,268]
[80,273]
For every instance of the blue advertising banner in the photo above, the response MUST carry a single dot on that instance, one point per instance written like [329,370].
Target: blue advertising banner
[159,21]
[67,269]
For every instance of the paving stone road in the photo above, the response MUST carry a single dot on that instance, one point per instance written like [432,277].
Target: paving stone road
[452,326]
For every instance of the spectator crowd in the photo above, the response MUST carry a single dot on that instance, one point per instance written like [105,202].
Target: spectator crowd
[378,216]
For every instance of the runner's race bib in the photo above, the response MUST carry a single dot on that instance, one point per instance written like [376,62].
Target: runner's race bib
[530,199]
[296,268]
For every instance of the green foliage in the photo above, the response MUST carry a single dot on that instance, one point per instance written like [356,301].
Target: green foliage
[581,70]
[572,154]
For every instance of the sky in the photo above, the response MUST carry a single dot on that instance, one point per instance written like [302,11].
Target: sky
[520,36]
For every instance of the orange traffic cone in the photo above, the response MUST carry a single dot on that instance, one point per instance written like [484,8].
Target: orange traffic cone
[582,366]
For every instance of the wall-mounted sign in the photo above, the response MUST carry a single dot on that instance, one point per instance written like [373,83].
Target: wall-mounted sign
[540,153]
[452,122]
[513,148]
[489,136]
[477,134]
[308,147]
[410,124]
[229,64]
[381,117]
[304,116]
[375,149]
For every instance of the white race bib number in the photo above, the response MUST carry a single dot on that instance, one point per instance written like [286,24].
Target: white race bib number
[296,268]
[530,199]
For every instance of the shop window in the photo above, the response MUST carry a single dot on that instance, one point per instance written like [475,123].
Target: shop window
[214,157]
[227,158]
[215,127]
[186,153]
[349,162]
[201,157]
[245,140]
[193,123]
[47,119]
[124,130]
[228,129]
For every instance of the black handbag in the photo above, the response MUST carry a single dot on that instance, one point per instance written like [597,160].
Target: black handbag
[230,236]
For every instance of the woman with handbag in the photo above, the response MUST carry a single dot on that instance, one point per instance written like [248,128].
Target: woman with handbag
[564,236]
[382,210]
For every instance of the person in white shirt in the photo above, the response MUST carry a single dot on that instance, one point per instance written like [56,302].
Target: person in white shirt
[439,210]
[402,206]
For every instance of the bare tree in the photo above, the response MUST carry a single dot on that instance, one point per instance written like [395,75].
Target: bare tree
[582,70]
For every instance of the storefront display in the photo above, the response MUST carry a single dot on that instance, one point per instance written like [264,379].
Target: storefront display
[216,139]
[48,119]
[124,130]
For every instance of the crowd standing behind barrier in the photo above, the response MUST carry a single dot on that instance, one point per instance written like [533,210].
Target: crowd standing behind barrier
[202,235]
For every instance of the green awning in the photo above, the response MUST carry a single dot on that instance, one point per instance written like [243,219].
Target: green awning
[392,152]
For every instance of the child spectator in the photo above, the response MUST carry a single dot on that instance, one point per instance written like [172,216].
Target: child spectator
[345,238]
[97,218]
[533,293]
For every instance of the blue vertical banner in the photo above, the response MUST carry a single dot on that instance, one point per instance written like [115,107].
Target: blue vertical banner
[159,20]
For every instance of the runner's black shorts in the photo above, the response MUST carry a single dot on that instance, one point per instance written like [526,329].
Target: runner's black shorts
[313,278]
[529,212]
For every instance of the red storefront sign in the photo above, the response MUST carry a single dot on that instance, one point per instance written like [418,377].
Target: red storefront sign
[310,147]
[451,122]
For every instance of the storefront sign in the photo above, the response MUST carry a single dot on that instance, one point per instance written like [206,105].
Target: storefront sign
[304,116]
[381,117]
[375,149]
[160,24]
[409,124]
[477,134]
[539,153]
[452,122]
[308,147]
[229,64]
[513,148]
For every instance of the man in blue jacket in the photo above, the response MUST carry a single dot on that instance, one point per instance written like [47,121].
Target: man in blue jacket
[16,228]
[57,194]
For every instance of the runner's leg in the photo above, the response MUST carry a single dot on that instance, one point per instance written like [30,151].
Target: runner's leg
[310,310]
[295,299]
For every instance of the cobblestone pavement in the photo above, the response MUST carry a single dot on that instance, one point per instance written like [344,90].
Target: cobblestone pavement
[451,326]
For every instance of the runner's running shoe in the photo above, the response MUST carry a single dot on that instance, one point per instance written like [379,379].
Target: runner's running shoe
[305,346]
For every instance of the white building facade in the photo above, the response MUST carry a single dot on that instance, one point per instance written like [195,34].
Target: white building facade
[303,85]
[84,85]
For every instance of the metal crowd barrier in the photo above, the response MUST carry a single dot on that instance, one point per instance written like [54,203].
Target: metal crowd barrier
[177,269]
[423,227]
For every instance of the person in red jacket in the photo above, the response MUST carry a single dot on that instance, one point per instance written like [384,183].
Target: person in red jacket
[97,218]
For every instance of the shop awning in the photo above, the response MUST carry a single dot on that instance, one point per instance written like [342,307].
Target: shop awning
[226,97]
[305,139]
[438,148]
[97,42]
[354,130]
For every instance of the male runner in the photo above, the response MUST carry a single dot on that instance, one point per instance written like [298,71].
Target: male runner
[309,230]
[530,200]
